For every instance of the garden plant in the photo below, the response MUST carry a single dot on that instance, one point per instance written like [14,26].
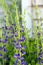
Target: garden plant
[16,47]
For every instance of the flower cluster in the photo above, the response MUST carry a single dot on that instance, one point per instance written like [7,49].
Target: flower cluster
[40,58]
[20,49]
[6,41]
[12,34]
[19,56]
[41,55]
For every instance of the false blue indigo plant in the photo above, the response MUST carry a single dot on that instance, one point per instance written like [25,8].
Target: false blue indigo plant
[15,46]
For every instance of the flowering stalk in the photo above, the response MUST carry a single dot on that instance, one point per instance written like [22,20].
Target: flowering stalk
[17,36]
[18,45]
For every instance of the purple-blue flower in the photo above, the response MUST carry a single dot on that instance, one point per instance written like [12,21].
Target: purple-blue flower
[23,52]
[22,39]
[1,55]
[6,37]
[21,30]
[1,48]
[6,27]
[23,62]
[16,62]
[10,28]
[14,41]
[18,46]
[16,55]
[16,34]
[41,62]
[0,40]
[5,57]
[11,36]
[5,50]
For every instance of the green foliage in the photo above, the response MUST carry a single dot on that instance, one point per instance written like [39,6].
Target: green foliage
[32,44]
